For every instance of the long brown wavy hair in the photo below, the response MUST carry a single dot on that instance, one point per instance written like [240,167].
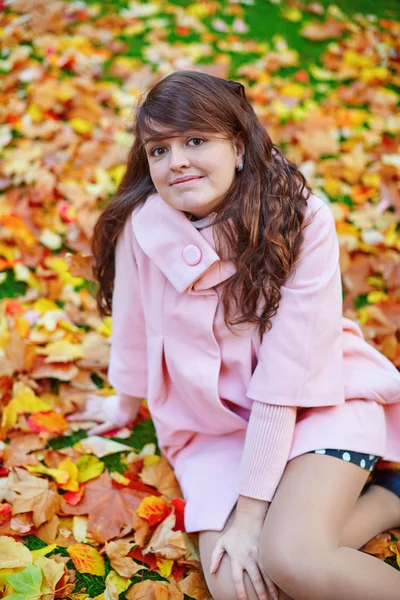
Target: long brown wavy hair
[259,221]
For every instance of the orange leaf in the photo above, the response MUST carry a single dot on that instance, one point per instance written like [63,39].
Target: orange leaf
[154,509]
[74,498]
[5,513]
[87,559]
[50,421]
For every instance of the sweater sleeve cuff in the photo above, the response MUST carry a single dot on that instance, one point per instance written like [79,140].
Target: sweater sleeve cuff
[268,441]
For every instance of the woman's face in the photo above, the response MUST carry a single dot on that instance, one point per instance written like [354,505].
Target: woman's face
[210,159]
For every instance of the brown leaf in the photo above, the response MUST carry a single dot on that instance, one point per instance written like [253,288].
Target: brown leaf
[109,509]
[317,31]
[80,266]
[142,530]
[194,585]
[148,590]
[17,453]
[166,542]
[34,494]
[161,476]
[117,553]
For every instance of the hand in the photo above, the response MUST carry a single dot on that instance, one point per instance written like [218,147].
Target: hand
[241,543]
[105,409]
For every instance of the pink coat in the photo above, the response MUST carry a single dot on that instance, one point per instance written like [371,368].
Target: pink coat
[170,344]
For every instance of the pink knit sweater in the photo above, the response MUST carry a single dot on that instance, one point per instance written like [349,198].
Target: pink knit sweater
[268,438]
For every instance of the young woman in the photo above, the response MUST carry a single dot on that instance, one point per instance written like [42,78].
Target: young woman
[221,269]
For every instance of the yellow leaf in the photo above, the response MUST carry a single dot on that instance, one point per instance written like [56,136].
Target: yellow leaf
[119,583]
[150,459]
[392,237]
[61,351]
[165,566]
[367,75]
[35,112]
[71,469]
[89,467]
[322,74]
[117,173]
[355,59]
[106,327]
[59,476]
[119,478]
[375,297]
[371,179]
[43,551]
[43,305]
[394,548]
[81,125]
[86,559]
[13,554]
[332,186]
[294,90]
[291,13]
[24,403]
[56,264]
[22,327]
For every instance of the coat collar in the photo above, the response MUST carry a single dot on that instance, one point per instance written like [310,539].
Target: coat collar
[164,232]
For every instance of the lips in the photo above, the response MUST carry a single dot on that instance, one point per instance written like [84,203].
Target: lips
[186,180]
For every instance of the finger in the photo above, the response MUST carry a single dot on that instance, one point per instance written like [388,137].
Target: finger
[103,428]
[216,557]
[257,580]
[78,416]
[238,580]
[271,587]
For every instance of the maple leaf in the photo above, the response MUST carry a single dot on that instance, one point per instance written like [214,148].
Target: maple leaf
[19,451]
[161,476]
[34,494]
[166,542]
[13,554]
[52,572]
[148,590]
[50,421]
[98,497]
[195,586]
[117,552]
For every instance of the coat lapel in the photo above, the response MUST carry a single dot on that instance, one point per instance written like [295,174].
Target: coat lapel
[163,233]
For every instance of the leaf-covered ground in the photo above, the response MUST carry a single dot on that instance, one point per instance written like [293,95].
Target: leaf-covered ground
[102,517]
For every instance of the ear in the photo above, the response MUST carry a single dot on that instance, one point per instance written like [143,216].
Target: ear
[239,147]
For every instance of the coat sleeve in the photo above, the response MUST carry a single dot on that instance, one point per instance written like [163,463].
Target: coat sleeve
[127,371]
[300,360]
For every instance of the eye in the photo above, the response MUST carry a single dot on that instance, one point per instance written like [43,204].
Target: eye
[196,138]
[154,150]
[152,153]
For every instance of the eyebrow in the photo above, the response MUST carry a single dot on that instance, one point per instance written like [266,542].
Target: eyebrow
[161,139]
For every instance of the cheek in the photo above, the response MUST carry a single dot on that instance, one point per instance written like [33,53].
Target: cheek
[158,175]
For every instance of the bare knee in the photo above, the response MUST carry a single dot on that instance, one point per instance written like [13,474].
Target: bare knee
[297,568]
[221,585]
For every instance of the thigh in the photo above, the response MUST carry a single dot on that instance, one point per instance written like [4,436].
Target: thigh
[221,584]
[308,514]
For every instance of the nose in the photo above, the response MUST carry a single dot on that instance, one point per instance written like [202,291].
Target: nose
[178,158]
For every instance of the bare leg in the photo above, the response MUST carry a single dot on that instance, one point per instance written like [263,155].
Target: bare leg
[300,541]
[375,511]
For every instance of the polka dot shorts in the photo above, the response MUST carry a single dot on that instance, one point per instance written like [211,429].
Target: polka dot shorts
[365,461]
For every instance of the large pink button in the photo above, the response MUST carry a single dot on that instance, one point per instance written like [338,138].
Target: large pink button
[192,254]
